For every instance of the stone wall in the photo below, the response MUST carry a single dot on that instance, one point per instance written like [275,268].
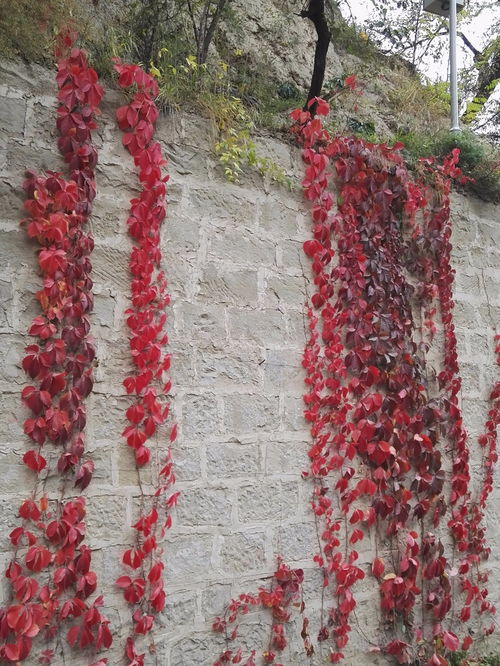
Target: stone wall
[233,257]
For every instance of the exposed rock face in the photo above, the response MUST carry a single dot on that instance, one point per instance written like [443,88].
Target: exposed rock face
[279,41]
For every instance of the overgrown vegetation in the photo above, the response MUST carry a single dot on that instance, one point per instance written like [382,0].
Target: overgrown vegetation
[28,29]
[478,159]
[461,659]
[412,94]
[233,88]
[210,90]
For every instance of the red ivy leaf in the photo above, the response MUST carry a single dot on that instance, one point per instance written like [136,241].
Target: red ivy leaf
[450,641]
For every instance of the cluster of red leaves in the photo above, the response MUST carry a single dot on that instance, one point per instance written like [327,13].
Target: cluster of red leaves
[375,428]
[50,540]
[431,253]
[285,591]
[149,383]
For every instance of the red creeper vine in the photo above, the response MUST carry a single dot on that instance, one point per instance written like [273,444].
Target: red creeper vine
[148,384]
[367,398]
[50,540]
[283,593]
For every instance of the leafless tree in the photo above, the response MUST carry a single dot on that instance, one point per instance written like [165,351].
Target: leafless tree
[205,16]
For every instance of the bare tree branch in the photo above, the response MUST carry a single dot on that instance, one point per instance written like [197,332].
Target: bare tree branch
[209,32]
[469,45]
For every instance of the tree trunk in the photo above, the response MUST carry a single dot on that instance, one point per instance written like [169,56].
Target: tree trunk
[316,13]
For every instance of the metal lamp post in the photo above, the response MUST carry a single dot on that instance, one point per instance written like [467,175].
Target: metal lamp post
[449,9]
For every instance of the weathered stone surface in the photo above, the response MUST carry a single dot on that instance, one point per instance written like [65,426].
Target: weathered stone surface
[214,597]
[187,462]
[181,608]
[106,518]
[278,218]
[217,367]
[9,506]
[264,326]
[247,412]
[229,286]
[233,460]
[288,290]
[193,650]
[234,260]
[244,552]
[188,557]
[205,506]
[283,370]
[221,203]
[201,321]
[242,246]
[12,114]
[296,542]
[275,502]
[200,417]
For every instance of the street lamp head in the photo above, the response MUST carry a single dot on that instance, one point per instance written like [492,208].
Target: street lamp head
[442,7]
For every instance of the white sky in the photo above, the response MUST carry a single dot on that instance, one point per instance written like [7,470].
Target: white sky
[477,32]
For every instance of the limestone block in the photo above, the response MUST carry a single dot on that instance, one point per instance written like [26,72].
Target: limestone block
[293,413]
[110,268]
[189,557]
[194,650]
[244,551]
[468,282]
[240,245]
[11,373]
[228,286]
[233,460]
[249,412]
[187,462]
[12,115]
[9,507]
[200,417]
[6,296]
[289,290]
[278,218]
[283,370]
[11,422]
[464,230]
[182,232]
[181,608]
[201,321]
[296,542]
[214,599]
[264,326]
[286,456]
[15,474]
[226,367]
[271,501]
[106,518]
[227,203]
[204,506]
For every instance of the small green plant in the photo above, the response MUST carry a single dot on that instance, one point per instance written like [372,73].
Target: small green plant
[363,130]
[237,149]
[208,89]
[478,159]
[102,51]
[462,659]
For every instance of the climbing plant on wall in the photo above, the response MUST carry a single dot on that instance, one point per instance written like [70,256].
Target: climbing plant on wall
[148,384]
[389,458]
[389,451]
[50,576]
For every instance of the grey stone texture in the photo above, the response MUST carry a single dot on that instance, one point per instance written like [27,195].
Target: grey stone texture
[232,255]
